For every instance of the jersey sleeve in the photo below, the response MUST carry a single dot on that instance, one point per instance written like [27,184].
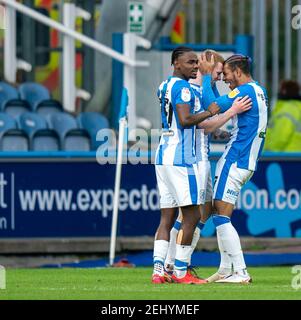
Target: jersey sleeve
[208,95]
[181,93]
[215,91]
[225,102]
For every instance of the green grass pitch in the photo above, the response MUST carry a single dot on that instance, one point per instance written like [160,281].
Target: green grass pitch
[134,284]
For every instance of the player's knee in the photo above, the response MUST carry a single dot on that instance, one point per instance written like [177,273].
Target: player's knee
[167,224]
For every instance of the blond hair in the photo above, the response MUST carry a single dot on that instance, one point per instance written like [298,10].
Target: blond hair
[217,57]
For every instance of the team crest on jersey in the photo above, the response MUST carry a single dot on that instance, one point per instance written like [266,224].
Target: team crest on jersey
[233,93]
[185,94]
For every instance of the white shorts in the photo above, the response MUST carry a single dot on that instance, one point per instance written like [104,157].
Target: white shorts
[178,186]
[229,180]
[204,168]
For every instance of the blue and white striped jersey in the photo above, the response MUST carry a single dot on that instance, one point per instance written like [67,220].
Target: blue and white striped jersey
[248,134]
[201,139]
[177,144]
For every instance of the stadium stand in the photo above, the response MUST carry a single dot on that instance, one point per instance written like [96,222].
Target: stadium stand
[14,140]
[7,93]
[11,138]
[62,123]
[16,107]
[41,138]
[48,107]
[33,93]
[6,123]
[77,140]
[72,138]
[10,101]
[92,122]
[45,140]
[39,122]
[39,98]
[31,122]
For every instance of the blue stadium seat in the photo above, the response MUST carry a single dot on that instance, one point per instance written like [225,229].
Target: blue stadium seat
[7,93]
[62,122]
[45,140]
[77,140]
[48,107]
[10,101]
[6,123]
[92,122]
[34,93]
[16,107]
[39,98]
[14,140]
[30,122]
[72,138]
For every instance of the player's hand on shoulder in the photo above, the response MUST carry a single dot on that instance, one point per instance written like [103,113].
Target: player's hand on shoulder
[205,66]
[242,104]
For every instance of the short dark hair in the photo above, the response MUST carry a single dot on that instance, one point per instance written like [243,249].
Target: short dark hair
[289,89]
[239,61]
[177,52]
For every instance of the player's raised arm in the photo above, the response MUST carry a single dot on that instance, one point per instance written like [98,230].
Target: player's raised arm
[206,68]
[223,102]
[215,90]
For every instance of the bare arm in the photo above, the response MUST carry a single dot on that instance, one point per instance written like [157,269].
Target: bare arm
[240,105]
[187,119]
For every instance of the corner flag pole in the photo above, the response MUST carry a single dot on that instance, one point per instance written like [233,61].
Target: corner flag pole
[122,127]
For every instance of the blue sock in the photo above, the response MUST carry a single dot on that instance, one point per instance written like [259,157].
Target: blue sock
[201,226]
[218,220]
[177,225]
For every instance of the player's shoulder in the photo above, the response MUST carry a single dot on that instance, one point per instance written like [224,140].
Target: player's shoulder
[195,87]
[181,92]
[241,90]
[197,90]
[160,88]
[179,83]
[162,84]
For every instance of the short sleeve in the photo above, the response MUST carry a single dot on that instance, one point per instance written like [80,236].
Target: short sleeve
[182,94]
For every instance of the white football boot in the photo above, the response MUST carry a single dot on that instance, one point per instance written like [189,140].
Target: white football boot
[241,277]
[218,276]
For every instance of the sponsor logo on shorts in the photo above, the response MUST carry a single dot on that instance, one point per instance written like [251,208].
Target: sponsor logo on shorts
[202,195]
[232,193]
